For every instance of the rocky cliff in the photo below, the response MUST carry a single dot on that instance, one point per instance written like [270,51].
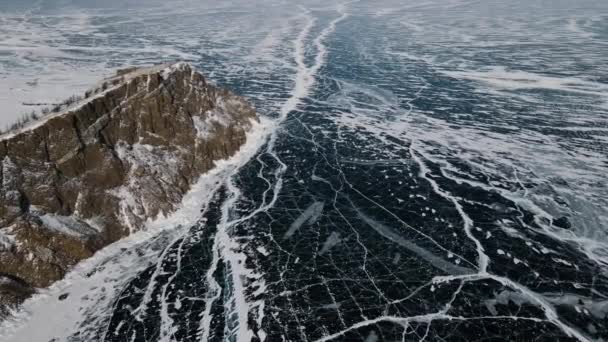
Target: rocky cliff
[82,178]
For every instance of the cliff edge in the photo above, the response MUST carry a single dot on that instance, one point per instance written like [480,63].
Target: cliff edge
[80,179]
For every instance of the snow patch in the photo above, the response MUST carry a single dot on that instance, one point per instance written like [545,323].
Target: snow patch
[68,225]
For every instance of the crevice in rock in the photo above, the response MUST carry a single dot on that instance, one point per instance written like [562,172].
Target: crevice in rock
[24,202]
[75,125]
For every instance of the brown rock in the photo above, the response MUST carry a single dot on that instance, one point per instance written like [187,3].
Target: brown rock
[86,177]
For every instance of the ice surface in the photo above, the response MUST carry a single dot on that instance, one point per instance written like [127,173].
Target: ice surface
[427,170]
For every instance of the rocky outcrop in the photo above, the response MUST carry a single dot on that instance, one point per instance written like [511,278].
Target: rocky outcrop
[87,176]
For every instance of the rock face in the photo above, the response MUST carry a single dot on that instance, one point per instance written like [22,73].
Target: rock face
[90,175]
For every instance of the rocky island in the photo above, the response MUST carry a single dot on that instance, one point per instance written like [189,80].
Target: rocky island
[81,178]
